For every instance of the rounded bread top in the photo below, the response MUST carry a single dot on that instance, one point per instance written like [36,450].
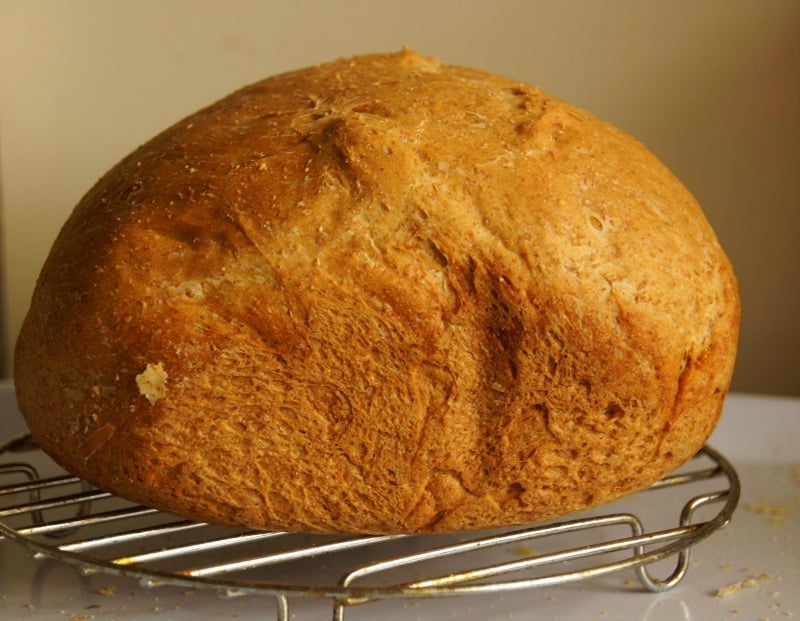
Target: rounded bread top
[383,267]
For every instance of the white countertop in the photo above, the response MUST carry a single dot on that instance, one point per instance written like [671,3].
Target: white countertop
[759,551]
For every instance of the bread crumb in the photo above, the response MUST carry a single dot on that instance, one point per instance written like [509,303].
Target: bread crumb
[747,583]
[107,591]
[524,551]
[771,510]
[152,382]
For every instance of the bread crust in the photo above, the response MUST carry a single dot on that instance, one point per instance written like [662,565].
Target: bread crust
[380,295]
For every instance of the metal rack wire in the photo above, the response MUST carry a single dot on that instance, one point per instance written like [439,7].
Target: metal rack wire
[59,516]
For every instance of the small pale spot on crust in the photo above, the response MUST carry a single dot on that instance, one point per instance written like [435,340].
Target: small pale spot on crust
[152,382]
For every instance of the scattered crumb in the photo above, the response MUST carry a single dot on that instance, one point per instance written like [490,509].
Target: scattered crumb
[776,513]
[734,611]
[107,591]
[748,583]
[524,551]
[770,510]
[628,582]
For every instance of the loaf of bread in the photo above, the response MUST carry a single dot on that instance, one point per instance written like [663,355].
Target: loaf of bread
[380,295]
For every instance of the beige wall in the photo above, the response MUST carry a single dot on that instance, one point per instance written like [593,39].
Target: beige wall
[712,86]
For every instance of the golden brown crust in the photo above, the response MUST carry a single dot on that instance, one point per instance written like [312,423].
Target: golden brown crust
[380,295]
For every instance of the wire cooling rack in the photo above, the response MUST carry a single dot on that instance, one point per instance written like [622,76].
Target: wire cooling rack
[56,515]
